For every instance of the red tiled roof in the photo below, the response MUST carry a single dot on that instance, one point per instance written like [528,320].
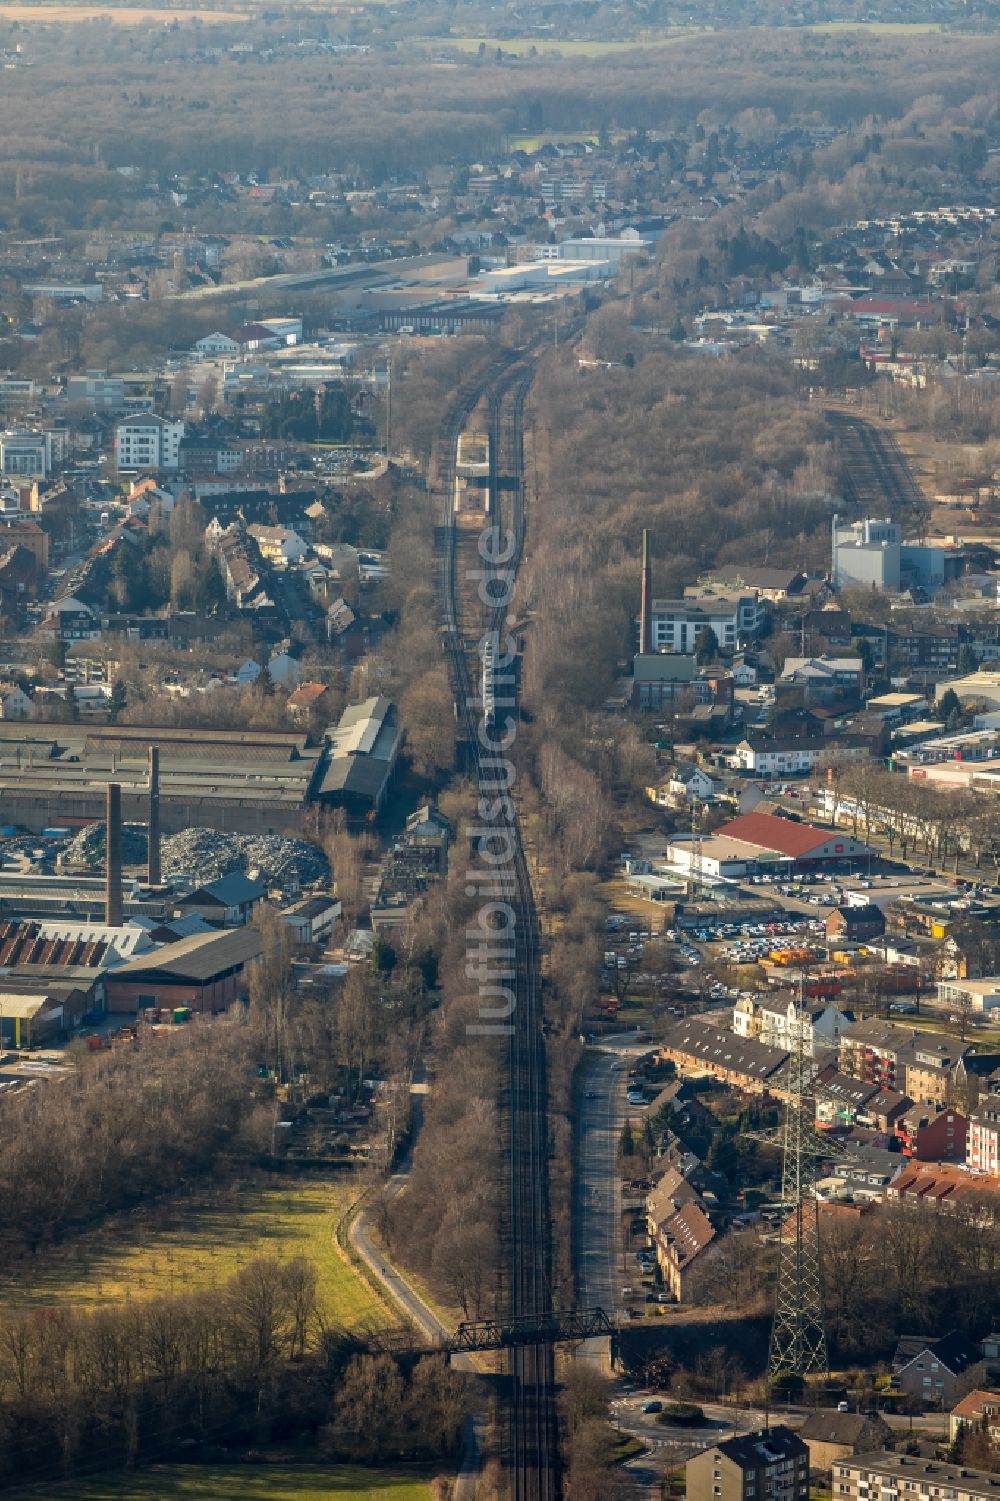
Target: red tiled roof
[307,695]
[773,833]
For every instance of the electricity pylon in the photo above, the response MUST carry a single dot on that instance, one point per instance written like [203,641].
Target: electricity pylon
[798,1334]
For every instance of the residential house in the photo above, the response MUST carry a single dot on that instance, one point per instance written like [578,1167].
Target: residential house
[283,666]
[839,1097]
[929,1135]
[279,545]
[929,1062]
[19,578]
[70,619]
[856,924]
[216,344]
[872,1050]
[946,1188]
[687,783]
[697,1048]
[820,1027]
[863,1178]
[306,700]
[21,531]
[978,1411]
[239,565]
[935,1369]
[339,619]
[228,902]
[824,679]
[14,702]
[681,1244]
[761,756]
[883,1110]
[771,1465]
[831,1436]
[829,625]
[864,1477]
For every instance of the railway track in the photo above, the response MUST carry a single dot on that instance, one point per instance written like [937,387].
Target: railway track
[876,473]
[531,1447]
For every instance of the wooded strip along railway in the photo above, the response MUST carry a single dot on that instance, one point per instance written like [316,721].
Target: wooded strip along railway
[531,1448]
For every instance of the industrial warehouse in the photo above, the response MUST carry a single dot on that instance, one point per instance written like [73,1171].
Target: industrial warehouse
[251,782]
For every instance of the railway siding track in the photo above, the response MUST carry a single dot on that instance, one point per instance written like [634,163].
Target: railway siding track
[876,473]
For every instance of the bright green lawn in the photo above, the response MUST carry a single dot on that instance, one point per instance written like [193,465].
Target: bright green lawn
[251,1483]
[199,1241]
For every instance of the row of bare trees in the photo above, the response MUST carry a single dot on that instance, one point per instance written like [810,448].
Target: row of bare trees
[125,1125]
[915,817]
[245,1363]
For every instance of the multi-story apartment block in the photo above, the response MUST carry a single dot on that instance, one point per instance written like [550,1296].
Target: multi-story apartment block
[735,619]
[906,1477]
[147,441]
[772,1465]
[982,1147]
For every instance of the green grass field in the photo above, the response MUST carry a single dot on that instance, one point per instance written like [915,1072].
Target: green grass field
[199,1241]
[250,1483]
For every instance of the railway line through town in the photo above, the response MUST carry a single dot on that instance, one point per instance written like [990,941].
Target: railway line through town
[875,472]
[530,1440]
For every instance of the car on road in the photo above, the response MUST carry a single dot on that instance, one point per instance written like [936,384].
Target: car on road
[653,1406]
[636,1097]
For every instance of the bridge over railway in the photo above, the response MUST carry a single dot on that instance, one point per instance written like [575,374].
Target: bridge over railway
[503,1334]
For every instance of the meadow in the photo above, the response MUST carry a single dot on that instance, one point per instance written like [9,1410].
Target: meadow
[196,1241]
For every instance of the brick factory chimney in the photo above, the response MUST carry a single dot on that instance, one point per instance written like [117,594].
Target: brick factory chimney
[113,911]
[646,603]
[153,875]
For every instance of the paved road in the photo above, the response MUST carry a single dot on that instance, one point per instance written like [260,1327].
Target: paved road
[597,1196]
[419,1312]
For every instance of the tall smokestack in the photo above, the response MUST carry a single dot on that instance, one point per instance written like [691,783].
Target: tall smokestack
[646,602]
[153,856]
[113,856]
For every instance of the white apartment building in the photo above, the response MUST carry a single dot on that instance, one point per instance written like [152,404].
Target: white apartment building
[982,1145]
[148,442]
[735,619]
[768,758]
